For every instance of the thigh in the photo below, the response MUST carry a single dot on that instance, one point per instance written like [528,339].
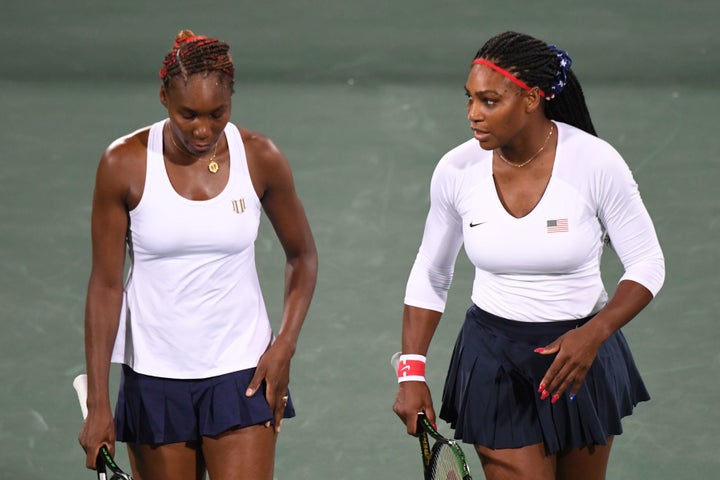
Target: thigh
[173,461]
[517,463]
[588,463]
[241,454]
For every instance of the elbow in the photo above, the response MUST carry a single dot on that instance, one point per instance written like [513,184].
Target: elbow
[649,273]
[660,277]
[304,261]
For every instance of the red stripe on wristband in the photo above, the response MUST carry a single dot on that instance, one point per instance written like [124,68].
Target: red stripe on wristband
[411,367]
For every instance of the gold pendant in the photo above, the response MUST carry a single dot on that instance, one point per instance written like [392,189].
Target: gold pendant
[213,166]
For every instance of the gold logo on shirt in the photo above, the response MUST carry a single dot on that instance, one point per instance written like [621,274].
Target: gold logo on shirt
[239,205]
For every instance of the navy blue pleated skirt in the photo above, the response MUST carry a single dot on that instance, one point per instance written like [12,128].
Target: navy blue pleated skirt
[490,396]
[156,411]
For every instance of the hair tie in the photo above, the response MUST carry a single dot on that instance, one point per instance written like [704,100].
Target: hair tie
[193,38]
[560,80]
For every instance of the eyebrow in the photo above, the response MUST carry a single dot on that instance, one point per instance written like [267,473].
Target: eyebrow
[186,109]
[481,92]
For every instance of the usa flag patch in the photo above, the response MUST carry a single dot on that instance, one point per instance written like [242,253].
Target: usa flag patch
[557,226]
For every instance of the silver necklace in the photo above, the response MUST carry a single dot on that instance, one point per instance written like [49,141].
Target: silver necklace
[520,165]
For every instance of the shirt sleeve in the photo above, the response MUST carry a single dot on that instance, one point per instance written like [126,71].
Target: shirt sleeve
[432,272]
[628,225]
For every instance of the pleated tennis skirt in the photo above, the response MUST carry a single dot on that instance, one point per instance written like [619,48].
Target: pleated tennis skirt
[491,394]
[157,411]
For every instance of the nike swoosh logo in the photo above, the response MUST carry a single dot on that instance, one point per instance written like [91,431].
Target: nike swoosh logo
[476,224]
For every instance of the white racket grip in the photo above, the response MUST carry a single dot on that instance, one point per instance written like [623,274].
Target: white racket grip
[80,385]
[394,361]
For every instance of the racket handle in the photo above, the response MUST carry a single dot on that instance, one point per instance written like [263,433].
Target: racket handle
[395,360]
[104,460]
[80,385]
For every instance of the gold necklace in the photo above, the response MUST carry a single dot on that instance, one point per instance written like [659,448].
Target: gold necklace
[212,164]
[520,165]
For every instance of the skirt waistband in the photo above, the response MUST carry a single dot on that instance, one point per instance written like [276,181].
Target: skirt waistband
[530,332]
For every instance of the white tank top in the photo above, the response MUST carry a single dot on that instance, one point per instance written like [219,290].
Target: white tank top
[192,306]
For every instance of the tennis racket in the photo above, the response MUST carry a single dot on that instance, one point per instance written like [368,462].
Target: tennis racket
[105,464]
[445,460]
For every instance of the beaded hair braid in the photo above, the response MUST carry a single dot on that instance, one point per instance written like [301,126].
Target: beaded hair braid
[196,54]
[537,64]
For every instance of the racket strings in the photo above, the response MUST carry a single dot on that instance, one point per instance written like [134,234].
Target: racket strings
[445,464]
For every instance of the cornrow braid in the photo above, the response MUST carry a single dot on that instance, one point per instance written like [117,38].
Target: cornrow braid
[537,64]
[193,54]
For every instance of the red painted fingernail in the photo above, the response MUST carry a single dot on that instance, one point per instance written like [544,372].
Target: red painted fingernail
[542,387]
[539,350]
[555,398]
[544,395]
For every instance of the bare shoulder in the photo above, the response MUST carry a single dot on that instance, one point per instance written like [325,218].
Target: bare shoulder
[123,164]
[269,169]
[127,150]
[259,147]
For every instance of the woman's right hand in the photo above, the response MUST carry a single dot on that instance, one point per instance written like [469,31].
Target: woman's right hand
[98,429]
[411,398]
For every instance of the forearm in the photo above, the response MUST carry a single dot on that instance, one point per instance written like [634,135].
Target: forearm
[419,325]
[576,350]
[101,324]
[418,328]
[300,280]
[630,298]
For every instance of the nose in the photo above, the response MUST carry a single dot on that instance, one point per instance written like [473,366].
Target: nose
[202,130]
[473,111]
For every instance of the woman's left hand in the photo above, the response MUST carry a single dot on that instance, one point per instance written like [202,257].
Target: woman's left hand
[274,369]
[575,352]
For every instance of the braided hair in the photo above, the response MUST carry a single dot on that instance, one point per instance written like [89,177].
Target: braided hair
[193,54]
[539,64]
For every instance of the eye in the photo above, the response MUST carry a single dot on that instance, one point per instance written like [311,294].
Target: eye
[218,113]
[489,101]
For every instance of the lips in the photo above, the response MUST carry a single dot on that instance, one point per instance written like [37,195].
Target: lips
[480,135]
[204,147]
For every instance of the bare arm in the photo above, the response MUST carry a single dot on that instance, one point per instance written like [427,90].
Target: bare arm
[273,182]
[109,224]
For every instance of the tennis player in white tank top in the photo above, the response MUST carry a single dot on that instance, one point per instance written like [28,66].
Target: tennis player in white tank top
[193,306]
[204,386]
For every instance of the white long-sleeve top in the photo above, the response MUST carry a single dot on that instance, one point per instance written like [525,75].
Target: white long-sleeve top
[544,266]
